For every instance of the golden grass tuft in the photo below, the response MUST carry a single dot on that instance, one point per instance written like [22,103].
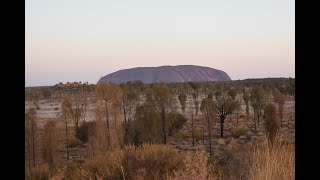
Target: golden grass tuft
[275,161]
[38,172]
[196,166]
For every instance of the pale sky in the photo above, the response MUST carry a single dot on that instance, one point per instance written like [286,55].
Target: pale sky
[82,40]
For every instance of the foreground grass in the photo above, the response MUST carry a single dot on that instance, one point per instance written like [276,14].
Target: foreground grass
[273,162]
[156,161]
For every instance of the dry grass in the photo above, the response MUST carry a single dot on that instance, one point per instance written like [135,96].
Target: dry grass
[196,166]
[37,173]
[146,162]
[273,162]
[239,132]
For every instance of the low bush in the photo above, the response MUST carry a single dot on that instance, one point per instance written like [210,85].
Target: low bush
[175,121]
[146,162]
[74,143]
[239,132]
[197,134]
[82,132]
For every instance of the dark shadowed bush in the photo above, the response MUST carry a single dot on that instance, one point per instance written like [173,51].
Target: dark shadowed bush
[176,121]
[82,132]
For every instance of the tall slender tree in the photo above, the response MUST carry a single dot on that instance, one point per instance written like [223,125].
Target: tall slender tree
[270,123]
[279,100]
[162,98]
[50,143]
[208,110]
[66,113]
[30,132]
[182,99]
[257,101]
[106,94]
[246,99]
[129,101]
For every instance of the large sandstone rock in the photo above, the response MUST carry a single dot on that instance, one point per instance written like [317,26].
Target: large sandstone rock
[181,73]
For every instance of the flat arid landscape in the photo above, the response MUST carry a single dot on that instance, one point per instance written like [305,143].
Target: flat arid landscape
[160,90]
[161,130]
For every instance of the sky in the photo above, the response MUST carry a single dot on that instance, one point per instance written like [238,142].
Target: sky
[82,40]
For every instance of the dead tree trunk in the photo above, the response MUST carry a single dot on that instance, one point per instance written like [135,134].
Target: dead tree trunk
[67,134]
[192,126]
[33,143]
[163,126]
[108,126]
[209,131]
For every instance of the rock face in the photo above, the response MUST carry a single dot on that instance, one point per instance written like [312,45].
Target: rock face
[181,73]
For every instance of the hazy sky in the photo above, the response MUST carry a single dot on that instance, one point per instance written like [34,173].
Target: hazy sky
[80,40]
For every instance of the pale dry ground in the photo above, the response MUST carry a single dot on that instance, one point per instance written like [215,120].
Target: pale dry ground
[222,148]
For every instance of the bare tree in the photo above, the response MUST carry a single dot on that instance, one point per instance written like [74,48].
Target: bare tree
[79,104]
[192,128]
[196,102]
[182,99]
[129,101]
[107,93]
[30,133]
[232,94]
[208,109]
[195,86]
[257,102]
[246,99]
[279,100]
[98,138]
[47,93]
[66,113]
[50,143]
[237,108]
[116,112]
[147,125]
[270,123]
[162,99]
[225,105]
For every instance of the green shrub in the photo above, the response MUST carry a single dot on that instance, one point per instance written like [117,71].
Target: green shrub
[74,143]
[239,132]
[197,134]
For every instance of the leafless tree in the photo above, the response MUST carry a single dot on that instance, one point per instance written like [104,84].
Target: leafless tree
[208,110]
[66,113]
[182,99]
[162,98]
[246,99]
[270,122]
[129,101]
[106,94]
[30,133]
[225,105]
[279,100]
[257,102]
[50,143]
